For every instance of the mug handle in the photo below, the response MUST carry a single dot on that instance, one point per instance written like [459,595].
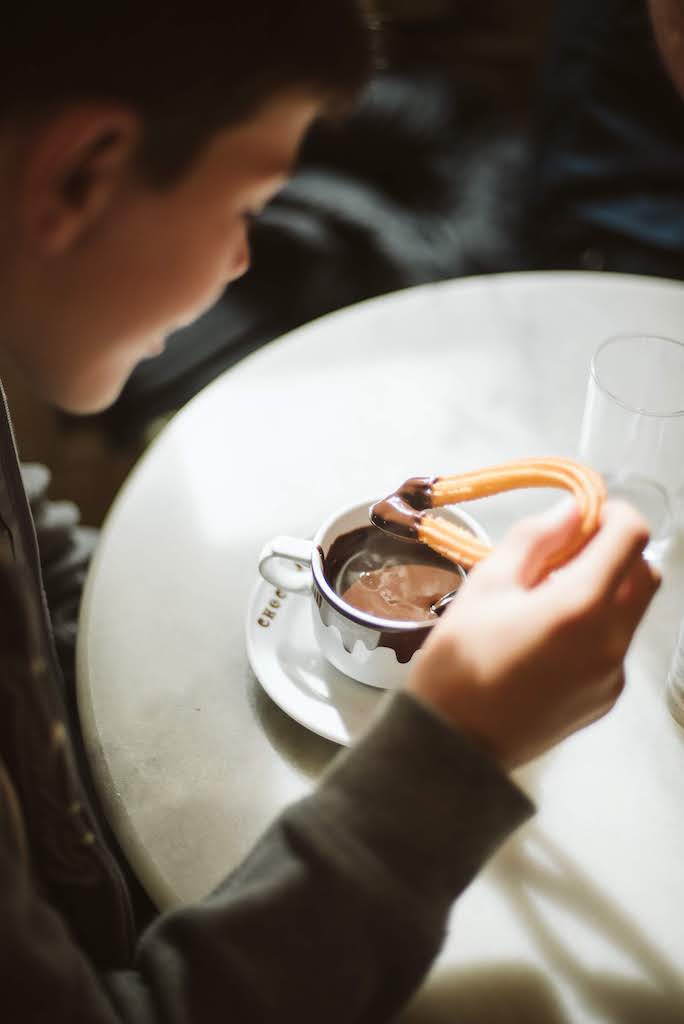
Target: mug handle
[285,562]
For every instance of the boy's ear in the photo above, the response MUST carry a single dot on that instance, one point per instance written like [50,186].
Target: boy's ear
[74,165]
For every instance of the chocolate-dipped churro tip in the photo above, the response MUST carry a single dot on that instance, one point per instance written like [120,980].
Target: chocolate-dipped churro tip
[394,516]
[399,513]
[417,492]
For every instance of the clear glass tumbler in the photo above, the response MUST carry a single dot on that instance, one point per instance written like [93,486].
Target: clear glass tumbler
[633,428]
[675,680]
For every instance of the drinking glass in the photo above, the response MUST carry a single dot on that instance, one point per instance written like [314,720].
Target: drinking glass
[633,428]
[675,680]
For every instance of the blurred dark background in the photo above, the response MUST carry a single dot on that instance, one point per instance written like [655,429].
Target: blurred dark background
[498,136]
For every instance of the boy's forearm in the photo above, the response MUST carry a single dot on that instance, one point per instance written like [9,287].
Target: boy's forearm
[338,912]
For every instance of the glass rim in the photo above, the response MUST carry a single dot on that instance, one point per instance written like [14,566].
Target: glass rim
[620,401]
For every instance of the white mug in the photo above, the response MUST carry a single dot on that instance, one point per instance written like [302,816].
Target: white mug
[375,651]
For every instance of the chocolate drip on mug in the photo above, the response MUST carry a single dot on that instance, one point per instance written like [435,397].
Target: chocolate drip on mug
[400,513]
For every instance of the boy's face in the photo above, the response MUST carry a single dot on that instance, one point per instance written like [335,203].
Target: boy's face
[88,291]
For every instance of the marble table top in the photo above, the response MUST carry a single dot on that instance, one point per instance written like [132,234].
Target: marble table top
[580,917]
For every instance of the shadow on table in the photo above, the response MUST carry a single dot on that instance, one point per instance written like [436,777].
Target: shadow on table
[515,993]
[524,879]
[497,994]
[306,752]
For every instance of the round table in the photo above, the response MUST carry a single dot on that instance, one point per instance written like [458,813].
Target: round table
[580,917]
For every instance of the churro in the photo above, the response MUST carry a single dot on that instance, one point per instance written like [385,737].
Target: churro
[406,512]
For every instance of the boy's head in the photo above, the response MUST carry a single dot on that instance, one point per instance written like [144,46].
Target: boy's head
[136,141]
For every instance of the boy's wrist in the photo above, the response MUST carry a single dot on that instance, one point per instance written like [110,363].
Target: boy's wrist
[423,796]
[434,700]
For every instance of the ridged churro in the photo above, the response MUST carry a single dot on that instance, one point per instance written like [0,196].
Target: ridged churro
[405,513]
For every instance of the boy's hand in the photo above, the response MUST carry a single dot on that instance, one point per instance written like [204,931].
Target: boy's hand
[520,663]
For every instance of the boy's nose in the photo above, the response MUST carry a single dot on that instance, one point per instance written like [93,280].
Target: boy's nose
[241,262]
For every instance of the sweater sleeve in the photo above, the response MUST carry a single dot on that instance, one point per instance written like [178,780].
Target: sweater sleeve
[335,916]
[65,548]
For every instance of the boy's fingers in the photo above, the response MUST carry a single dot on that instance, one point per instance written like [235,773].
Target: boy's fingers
[621,538]
[527,545]
[636,591]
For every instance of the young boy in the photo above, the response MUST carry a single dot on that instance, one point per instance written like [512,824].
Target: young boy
[136,142]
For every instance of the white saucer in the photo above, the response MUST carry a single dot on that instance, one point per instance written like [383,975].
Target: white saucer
[287,662]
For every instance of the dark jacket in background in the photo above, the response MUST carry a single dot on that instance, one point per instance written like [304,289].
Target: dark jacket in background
[606,183]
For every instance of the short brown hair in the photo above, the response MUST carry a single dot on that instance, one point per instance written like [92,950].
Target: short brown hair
[189,68]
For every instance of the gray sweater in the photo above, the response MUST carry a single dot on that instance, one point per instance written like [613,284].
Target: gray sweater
[334,917]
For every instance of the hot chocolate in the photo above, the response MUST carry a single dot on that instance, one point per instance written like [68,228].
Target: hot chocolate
[387,578]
